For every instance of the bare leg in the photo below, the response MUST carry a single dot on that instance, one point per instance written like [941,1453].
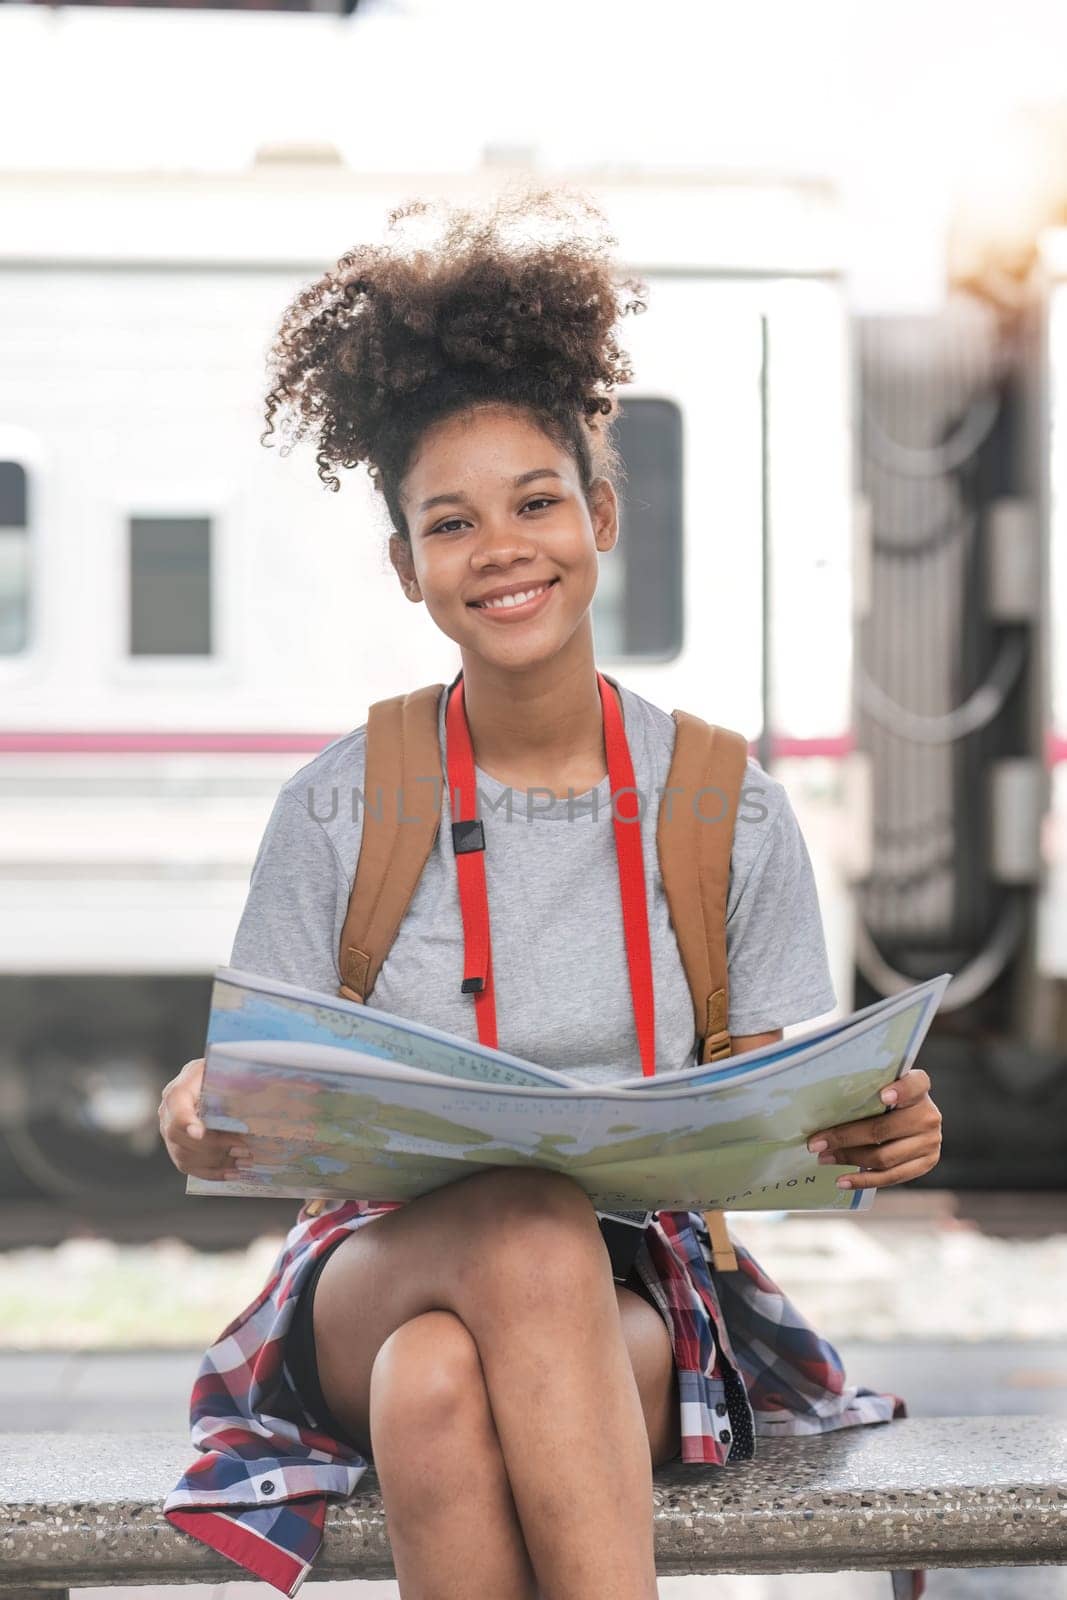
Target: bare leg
[452,1521]
[449,1507]
[516,1255]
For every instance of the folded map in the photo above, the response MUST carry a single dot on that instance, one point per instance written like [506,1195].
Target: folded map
[339,1100]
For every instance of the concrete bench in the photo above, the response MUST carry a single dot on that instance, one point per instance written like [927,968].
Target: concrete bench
[84,1509]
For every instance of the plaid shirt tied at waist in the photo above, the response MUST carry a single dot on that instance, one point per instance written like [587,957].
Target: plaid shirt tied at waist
[748,1364]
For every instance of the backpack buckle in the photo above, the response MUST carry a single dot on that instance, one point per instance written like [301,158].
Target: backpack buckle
[716,1047]
[717,1043]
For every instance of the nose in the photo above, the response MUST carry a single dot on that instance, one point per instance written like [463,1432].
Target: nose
[499,544]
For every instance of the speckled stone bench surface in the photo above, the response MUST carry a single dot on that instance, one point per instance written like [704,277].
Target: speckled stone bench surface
[84,1509]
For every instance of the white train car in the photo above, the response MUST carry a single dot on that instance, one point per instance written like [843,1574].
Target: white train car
[186,617]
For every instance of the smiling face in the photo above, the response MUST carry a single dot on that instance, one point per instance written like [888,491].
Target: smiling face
[494,506]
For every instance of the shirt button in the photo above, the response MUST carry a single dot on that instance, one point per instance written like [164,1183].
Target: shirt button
[720,1409]
[267,1486]
[724,1436]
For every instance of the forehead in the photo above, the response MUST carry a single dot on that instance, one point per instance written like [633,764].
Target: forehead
[496,442]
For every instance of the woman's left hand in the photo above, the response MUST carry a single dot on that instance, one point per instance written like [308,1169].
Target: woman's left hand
[898,1144]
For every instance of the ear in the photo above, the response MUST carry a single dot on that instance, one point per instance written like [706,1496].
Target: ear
[604,511]
[400,556]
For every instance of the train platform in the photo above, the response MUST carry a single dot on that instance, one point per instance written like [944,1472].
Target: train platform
[143,1391]
[100,1333]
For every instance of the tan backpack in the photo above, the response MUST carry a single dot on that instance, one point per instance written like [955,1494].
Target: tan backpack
[694,841]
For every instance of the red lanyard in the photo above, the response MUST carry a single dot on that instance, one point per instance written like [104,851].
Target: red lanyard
[468,838]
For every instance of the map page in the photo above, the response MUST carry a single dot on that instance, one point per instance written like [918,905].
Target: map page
[344,1102]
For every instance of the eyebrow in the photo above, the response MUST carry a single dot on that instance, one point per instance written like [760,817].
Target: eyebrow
[523,477]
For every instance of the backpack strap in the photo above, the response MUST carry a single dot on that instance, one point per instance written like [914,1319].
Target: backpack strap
[696,824]
[403,754]
[697,815]
[404,780]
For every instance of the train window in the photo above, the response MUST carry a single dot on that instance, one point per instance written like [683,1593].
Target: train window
[637,610]
[170,586]
[14,559]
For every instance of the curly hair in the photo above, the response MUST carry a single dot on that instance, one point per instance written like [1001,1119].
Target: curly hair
[376,351]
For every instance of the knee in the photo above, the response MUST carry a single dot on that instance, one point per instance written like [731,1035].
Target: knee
[536,1235]
[426,1379]
[514,1193]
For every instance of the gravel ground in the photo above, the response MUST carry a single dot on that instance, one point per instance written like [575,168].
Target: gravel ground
[1036,1583]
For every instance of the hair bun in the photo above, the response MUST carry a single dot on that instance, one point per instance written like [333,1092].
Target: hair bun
[516,302]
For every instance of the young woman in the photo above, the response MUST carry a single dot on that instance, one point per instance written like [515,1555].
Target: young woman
[473,1343]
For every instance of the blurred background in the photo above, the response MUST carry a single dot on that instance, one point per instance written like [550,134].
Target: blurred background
[846,432]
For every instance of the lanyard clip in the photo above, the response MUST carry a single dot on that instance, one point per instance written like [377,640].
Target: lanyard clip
[467,836]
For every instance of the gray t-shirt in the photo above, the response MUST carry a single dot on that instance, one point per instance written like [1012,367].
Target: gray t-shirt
[559,957]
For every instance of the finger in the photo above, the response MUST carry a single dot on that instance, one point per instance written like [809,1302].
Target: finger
[228,1167]
[881,1180]
[222,1175]
[884,1125]
[907,1090]
[180,1110]
[905,1123]
[217,1147]
[871,1130]
[213,1162]
[881,1156]
[208,1146]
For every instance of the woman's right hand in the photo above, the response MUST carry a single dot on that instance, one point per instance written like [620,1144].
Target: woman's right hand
[197,1151]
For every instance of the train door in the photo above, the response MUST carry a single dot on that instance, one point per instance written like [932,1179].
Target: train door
[730,592]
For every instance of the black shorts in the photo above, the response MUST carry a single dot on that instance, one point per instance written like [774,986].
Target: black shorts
[300,1354]
[300,1348]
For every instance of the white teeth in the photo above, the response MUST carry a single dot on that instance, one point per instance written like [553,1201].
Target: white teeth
[515,599]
